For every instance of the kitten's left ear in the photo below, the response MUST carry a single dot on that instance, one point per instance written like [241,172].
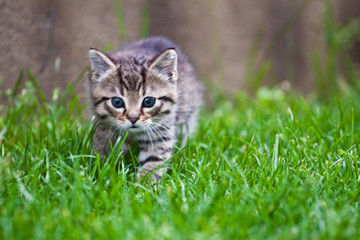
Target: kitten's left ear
[165,65]
[100,63]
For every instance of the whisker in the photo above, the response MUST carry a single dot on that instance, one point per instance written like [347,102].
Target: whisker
[114,131]
[169,130]
[150,138]
[160,134]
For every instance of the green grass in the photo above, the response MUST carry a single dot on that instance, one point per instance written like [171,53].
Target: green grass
[273,166]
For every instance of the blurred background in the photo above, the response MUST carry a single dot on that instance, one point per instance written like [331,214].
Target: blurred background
[235,45]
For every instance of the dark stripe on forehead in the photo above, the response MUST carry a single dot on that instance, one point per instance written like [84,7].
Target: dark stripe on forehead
[167,99]
[101,100]
[122,82]
[138,86]
[143,76]
[121,90]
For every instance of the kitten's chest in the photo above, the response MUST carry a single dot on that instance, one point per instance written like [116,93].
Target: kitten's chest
[136,137]
[149,136]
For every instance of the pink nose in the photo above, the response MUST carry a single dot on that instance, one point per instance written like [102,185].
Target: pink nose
[133,119]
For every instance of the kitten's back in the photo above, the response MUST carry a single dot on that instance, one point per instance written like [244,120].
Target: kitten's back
[147,48]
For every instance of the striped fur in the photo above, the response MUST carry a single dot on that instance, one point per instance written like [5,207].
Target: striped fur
[153,67]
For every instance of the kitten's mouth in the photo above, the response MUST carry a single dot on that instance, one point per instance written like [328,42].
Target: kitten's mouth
[135,129]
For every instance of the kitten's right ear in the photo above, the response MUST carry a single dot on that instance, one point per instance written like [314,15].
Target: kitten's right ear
[165,65]
[100,63]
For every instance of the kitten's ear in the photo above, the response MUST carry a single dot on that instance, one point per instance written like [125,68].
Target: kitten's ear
[100,63]
[165,65]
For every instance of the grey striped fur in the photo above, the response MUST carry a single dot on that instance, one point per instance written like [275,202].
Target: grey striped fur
[153,67]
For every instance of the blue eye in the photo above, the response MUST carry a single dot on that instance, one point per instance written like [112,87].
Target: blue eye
[117,102]
[148,102]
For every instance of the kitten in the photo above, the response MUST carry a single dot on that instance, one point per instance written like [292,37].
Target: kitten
[148,89]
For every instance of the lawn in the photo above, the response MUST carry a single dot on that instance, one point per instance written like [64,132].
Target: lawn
[274,165]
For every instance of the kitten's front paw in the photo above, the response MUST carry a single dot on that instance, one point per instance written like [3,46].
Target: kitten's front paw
[145,175]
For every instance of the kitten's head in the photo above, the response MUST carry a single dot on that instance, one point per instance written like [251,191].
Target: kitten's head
[133,94]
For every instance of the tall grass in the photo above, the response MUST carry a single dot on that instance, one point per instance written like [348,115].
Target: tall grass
[273,166]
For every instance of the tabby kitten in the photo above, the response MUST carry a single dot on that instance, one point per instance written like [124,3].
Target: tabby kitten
[148,89]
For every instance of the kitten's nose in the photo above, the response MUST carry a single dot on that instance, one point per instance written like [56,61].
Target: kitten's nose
[133,119]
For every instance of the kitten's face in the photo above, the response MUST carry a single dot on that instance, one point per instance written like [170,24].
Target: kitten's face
[134,96]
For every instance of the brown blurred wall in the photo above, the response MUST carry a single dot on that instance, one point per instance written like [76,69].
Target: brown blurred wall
[217,35]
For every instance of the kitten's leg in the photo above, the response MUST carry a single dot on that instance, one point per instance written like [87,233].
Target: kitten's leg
[186,129]
[101,140]
[191,123]
[154,155]
[100,137]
